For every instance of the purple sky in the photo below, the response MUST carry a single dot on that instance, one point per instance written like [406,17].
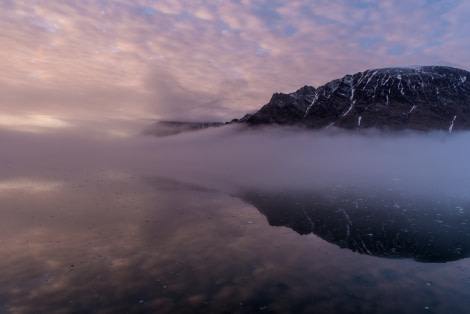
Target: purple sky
[67,63]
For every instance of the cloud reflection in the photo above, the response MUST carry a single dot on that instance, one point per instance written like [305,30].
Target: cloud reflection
[114,243]
[32,123]
[30,185]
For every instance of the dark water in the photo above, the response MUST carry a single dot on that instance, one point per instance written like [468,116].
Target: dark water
[94,227]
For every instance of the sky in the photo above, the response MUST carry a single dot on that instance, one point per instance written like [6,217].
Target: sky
[74,63]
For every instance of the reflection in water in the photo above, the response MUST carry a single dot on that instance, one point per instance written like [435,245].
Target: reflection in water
[118,243]
[29,184]
[380,224]
[87,226]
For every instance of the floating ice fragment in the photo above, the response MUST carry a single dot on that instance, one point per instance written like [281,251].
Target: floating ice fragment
[249,222]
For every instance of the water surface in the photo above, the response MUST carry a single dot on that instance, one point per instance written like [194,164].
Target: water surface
[100,225]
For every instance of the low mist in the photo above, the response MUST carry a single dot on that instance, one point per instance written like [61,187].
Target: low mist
[289,158]
[234,158]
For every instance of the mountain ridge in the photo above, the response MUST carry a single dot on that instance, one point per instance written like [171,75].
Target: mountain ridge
[418,98]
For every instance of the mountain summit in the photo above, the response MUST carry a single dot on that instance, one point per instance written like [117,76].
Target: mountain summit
[418,98]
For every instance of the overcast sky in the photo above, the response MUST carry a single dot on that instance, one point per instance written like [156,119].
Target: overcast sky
[68,62]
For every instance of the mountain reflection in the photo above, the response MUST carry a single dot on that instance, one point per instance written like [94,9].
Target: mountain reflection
[382,224]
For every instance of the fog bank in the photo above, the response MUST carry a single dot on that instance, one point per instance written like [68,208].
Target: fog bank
[231,158]
[284,158]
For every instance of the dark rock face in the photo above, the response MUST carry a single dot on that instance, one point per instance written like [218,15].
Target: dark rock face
[420,98]
[285,108]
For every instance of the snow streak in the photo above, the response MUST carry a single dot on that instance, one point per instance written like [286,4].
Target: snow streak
[452,124]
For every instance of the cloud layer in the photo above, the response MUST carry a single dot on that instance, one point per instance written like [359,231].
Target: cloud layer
[194,60]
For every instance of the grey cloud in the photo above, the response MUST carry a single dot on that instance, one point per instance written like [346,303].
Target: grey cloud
[171,100]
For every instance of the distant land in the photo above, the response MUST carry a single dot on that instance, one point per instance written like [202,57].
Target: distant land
[167,128]
[420,98]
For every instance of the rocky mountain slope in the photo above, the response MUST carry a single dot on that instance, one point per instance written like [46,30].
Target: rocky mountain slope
[418,98]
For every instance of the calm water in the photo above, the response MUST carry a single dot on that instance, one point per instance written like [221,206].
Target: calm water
[93,226]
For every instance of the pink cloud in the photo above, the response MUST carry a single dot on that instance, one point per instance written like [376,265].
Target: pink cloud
[93,60]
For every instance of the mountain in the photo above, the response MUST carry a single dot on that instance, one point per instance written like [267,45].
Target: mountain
[418,98]
[167,128]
